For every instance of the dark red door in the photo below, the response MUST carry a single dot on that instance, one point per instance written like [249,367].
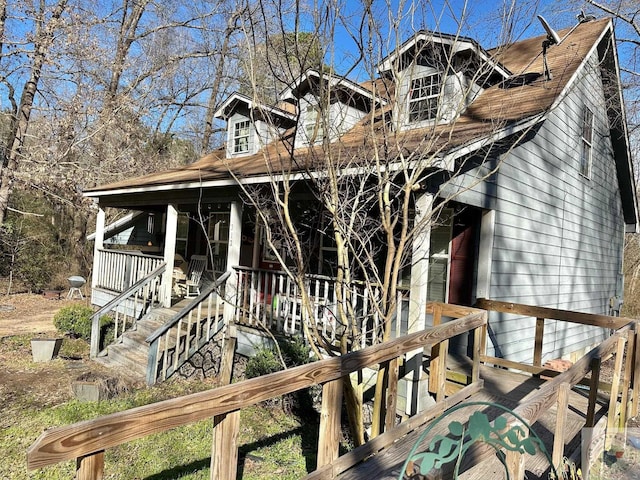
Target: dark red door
[464,248]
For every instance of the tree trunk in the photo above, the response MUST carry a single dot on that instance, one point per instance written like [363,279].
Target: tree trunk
[20,122]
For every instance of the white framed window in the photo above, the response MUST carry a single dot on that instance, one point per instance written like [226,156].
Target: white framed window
[241,132]
[586,151]
[313,124]
[423,97]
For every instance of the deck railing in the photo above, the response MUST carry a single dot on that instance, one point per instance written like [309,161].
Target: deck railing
[270,299]
[87,441]
[117,270]
[623,390]
[127,308]
[198,322]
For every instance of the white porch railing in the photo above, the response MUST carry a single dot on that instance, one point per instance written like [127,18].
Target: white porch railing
[127,308]
[117,270]
[270,299]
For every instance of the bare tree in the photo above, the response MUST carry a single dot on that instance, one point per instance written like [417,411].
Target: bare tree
[369,192]
[46,24]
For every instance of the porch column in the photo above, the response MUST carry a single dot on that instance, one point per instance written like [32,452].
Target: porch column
[98,245]
[170,233]
[417,384]
[233,258]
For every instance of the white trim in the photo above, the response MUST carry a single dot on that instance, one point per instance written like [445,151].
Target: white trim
[220,113]
[171,231]
[97,246]
[485,253]
[464,43]
[233,258]
[334,81]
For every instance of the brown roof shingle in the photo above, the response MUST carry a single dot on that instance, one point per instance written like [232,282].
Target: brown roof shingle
[495,107]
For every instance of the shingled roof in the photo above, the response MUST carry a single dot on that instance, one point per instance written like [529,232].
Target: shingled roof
[524,98]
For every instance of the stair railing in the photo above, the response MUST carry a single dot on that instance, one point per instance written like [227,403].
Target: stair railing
[171,345]
[127,308]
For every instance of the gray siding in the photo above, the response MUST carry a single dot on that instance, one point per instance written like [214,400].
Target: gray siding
[558,235]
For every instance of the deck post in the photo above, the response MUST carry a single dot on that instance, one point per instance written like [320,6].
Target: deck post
[593,392]
[626,381]
[417,384]
[224,450]
[90,467]
[612,420]
[561,421]
[515,461]
[171,232]
[330,414]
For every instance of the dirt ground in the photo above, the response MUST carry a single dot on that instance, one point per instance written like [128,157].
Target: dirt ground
[29,313]
[22,317]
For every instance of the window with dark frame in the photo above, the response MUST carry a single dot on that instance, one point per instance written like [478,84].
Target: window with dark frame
[587,142]
[241,136]
[423,98]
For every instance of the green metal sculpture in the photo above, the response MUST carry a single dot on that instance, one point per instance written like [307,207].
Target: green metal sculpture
[444,449]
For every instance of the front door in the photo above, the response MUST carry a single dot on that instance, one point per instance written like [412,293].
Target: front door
[463,256]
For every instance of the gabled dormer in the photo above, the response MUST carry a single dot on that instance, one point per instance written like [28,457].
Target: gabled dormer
[437,77]
[328,106]
[250,125]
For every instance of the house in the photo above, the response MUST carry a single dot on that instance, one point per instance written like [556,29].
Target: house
[530,171]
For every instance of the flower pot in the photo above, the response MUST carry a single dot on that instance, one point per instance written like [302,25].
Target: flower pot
[87,391]
[45,349]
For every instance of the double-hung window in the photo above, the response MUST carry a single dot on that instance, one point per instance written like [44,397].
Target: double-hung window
[587,142]
[423,97]
[241,136]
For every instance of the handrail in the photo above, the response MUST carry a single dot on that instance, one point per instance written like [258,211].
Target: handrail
[314,276]
[539,400]
[93,436]
[188,308]
[133,253]
[570,316]
[95,318]
[172,344]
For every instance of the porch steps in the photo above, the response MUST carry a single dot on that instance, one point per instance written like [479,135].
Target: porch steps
[130,356]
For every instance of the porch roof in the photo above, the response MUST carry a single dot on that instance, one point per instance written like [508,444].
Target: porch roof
[499,111]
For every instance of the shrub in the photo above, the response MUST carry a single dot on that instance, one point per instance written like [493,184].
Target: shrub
[294,352]
[74,319]
[264,361]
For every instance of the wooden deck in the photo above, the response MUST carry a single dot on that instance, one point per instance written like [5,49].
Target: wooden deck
[501,387]
[557,409]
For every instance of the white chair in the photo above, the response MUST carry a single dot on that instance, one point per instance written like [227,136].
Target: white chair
[197,265]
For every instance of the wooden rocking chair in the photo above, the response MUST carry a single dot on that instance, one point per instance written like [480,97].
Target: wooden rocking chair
[197,264]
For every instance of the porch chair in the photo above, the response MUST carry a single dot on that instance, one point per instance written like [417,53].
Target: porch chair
[197,264]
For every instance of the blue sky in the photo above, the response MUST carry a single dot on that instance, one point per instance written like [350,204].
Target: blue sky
[482,22]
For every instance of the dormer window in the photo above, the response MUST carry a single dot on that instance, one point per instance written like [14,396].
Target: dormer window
[241,136]
[423,97]
[313,124]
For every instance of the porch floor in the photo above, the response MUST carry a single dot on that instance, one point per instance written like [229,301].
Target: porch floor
[500,387]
